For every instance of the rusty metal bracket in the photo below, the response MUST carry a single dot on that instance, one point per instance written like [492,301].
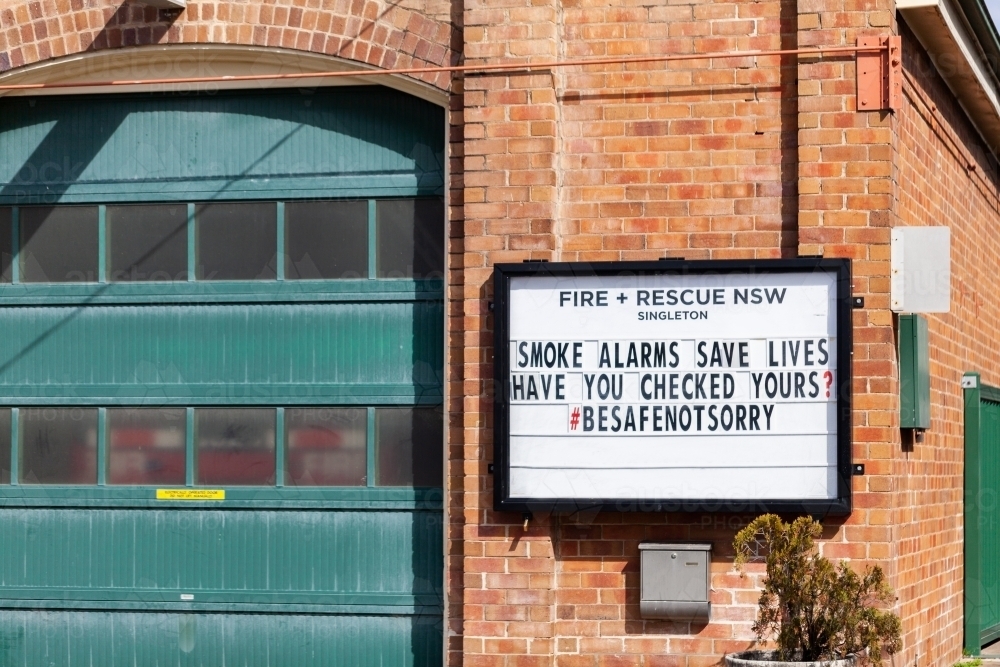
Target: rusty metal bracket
[879,73]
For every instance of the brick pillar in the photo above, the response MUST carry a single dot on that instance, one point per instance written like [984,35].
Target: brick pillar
[847,207]
[510,209]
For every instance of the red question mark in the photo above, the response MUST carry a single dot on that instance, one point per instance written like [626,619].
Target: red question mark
[828,376]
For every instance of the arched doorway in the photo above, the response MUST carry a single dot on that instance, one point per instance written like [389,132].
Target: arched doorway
[222,377]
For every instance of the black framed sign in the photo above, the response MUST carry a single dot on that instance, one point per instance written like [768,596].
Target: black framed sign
[684,385]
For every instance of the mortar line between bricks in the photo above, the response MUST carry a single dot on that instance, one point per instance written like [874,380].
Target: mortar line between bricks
[559,90]
[499,67]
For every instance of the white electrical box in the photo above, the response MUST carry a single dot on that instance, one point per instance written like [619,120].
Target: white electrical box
[921,270]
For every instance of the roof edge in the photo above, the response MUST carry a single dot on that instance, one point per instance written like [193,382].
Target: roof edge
[964,47]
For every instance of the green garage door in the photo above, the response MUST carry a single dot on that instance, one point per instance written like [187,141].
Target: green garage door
[982,513]
[221,379]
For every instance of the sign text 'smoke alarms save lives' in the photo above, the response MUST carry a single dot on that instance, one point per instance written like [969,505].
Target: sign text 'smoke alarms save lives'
[701,385]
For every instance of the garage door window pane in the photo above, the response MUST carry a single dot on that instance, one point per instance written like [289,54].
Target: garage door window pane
[147,242]
[409,447]
[235,446]
[237,241]
[58,244]
[6,251]
[326,240]
[58,445]
[4,446]
[146,446]
[410,238]
[326,446]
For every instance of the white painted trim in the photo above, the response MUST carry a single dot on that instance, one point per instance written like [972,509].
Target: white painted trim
[944,33]
[199,60]
[915,4]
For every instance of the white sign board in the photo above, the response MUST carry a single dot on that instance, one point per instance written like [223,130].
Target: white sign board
[701,383]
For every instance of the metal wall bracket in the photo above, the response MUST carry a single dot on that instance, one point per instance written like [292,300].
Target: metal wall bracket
[880,73]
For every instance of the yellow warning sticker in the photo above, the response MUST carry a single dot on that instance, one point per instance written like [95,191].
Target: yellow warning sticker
[190,494]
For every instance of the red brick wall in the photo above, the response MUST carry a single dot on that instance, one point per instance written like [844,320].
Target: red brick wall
[846,209]
[945,177]
[695,159]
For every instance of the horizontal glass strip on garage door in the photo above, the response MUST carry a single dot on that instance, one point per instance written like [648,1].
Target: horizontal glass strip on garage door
[223,241]
[84,452]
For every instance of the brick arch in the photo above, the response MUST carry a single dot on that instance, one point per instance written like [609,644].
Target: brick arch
[375,33]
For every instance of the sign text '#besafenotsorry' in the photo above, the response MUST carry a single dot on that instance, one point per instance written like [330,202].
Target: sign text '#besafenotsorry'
[673,386]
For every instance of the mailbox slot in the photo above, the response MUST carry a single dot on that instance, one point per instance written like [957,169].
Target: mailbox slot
[674,580]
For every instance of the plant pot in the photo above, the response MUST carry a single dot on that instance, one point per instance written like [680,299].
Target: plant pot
[767,659]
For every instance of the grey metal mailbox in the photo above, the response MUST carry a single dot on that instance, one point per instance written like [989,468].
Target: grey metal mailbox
[674,580]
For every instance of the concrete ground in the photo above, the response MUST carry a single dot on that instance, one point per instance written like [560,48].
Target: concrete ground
[991,653]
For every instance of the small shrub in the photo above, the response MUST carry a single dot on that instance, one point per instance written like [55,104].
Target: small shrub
[813,609]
